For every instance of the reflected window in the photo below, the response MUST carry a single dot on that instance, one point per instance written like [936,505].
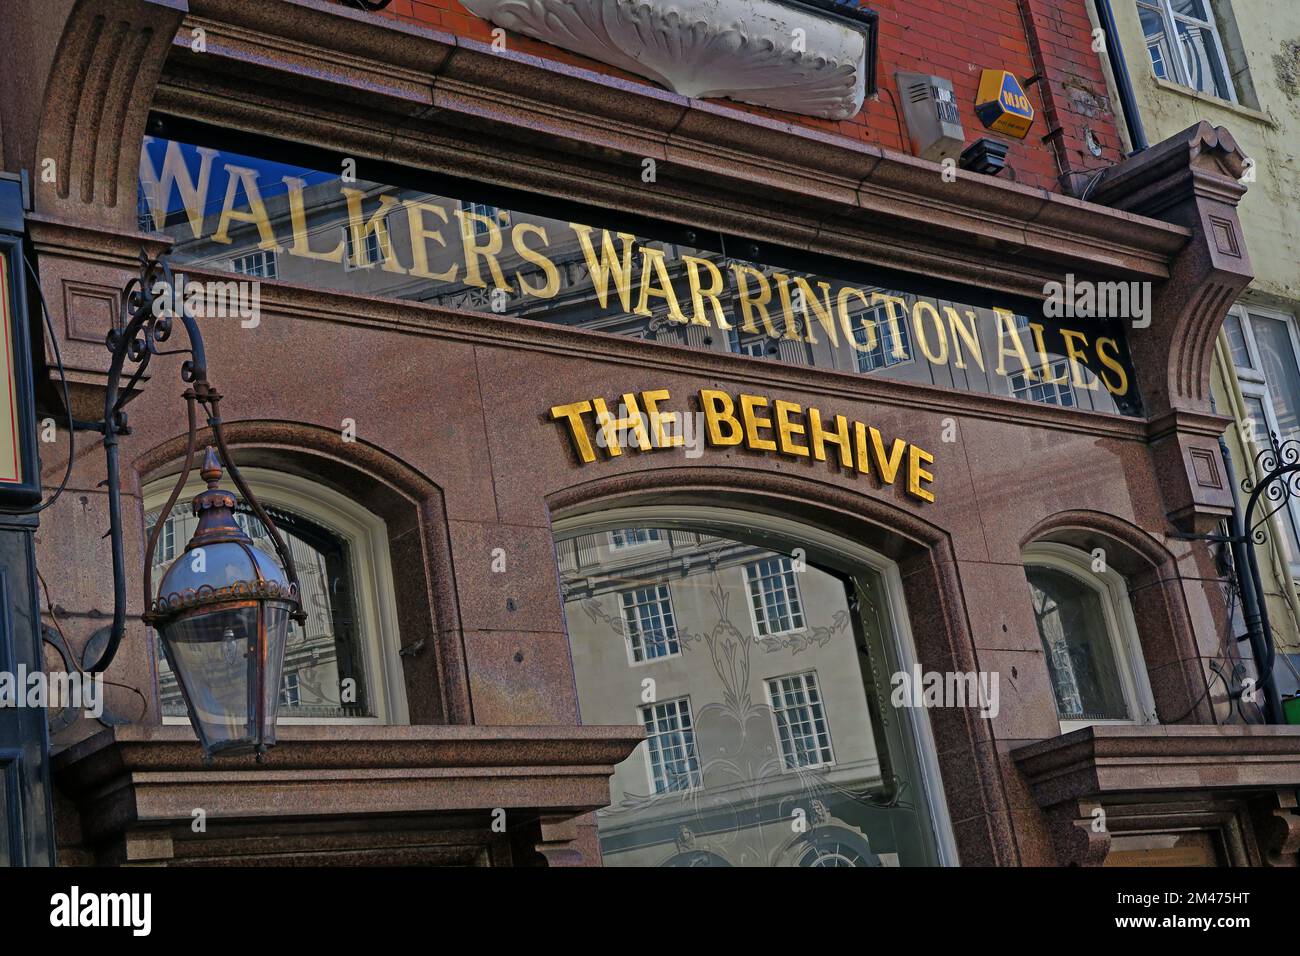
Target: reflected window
[342,664]
[648,618]
[670,746]
[632,537]
[774,596]
[1058,391]
[770,707]
[1088,637]
[755,346]
[371,251]
[800,721]
[259,265]
[893,343]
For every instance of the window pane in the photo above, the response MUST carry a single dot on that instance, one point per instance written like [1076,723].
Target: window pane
[670,745]
[1153,27]
[1257,426]
[764,706]
[1236,341]
[1201,56]
[1079,649]
[800,721]
[324,664]
[1280,371]
[1190,8]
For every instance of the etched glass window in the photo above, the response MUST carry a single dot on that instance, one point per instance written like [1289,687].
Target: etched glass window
[748,726]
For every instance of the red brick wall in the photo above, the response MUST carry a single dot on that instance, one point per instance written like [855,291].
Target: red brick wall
[951,38]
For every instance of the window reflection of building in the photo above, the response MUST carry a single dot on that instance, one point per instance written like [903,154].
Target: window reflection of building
[774,596]
[648,620]
[801,726]
[259,265]
[1089,638]
[891,343]
[1057,391]
[761,739]
[342,664]
[670,745]
[621,538]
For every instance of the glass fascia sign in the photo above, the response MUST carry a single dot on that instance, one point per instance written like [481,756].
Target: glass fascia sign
[454,244]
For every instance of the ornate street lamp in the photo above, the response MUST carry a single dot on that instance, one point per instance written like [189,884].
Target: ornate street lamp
[223,613]
[224,606]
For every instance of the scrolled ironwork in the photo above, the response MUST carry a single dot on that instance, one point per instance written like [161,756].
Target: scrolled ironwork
[150,311]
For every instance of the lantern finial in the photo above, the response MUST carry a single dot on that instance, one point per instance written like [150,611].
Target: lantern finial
[211,470]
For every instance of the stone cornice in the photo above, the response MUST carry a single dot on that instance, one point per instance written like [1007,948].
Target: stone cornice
[1126,759]
[570,129]
[138,775]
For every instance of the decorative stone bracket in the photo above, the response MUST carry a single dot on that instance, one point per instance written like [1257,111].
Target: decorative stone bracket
[1192,179]
[1168,778]
[763,52]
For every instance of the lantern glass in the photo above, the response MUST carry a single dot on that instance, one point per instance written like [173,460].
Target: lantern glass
[277,638]
[212,653]
[223,613]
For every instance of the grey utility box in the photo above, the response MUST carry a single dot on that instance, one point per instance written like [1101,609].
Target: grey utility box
[930,109]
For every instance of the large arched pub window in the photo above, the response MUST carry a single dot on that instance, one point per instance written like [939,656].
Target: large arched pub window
[761,674]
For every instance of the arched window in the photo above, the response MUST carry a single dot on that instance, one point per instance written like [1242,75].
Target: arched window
[757,653]
[342,666]
[1085,622]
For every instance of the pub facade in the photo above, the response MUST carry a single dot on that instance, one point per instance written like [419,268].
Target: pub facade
[680,468]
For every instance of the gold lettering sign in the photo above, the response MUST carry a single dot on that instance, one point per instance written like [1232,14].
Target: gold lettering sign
[756,422]
[270,219]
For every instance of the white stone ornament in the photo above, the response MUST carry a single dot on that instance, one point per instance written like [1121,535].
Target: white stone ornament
[744,50]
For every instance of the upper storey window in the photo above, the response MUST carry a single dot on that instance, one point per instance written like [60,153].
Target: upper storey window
[1185,44]
[381,230]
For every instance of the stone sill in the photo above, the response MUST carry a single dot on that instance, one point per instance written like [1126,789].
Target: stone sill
[1103,760]
[1214,102]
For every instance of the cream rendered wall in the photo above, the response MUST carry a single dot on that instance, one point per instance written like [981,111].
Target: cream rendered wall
[1265,36]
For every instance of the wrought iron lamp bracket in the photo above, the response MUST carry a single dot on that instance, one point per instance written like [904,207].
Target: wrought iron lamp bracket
[150,310]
